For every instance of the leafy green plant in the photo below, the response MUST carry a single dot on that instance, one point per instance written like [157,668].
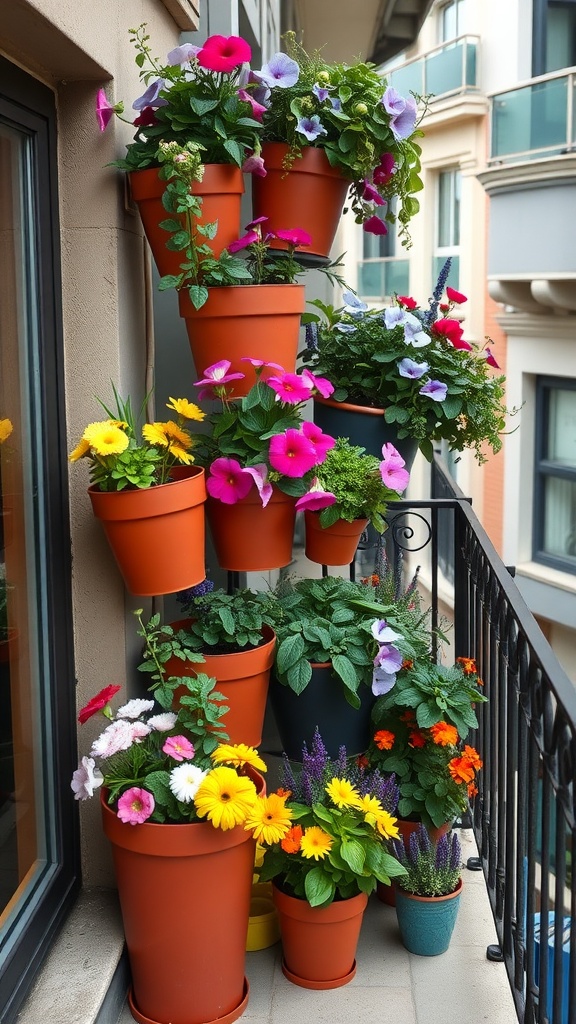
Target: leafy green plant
[324,832]
[431,383]
[432,869]
[355,480]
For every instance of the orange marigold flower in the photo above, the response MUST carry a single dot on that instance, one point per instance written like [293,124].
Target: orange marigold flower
[292,840]
[407,663]
[284,793]
[468,666]
[473,757]
[461,770]
[384,740]
[444,734]
[472,789]
[373,580]
[417,738]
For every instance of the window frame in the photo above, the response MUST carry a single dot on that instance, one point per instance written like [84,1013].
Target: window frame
[545,468]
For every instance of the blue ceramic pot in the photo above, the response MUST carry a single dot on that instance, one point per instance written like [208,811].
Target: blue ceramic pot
[363,426]
[427,922]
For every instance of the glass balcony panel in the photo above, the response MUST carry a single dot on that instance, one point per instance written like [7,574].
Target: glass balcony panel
[379,279]
[409,79]
[444,70]
[471,64]
[531,118]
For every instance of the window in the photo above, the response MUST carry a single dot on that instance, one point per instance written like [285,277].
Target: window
[448,226]
[553,35]
[452,20]
[38,842]
[555,473]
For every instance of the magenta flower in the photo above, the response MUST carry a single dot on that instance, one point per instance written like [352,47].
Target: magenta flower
[434,389]
[151,98]
[227,481]
[279,73]
[455,296]
[215,377]
[258,109]
[221,53]
[254,165]
[135,806]
[290,388]
[382,174]
[179,748]
[259,474]
[490,359]
[322,442]
[371,194]
[392,469]
[316,499]
[258,363]
[291,453]
[452,331]
[375,226]
[244,242]
[296,236]
[253,223]
[321,384]
[104,110]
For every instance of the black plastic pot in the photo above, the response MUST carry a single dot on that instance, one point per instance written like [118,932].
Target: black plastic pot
[363,426]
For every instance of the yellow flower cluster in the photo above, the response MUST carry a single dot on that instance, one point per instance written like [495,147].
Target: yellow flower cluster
[6,429]
[112,437]
[344,795]
[224,796]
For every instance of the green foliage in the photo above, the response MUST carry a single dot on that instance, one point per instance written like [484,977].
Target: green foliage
[354,478]
[222,623]
[435,693]
[137,467]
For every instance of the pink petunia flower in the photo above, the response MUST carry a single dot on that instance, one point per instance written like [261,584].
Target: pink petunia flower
[215,377]
[490,359]
[322,442]
[375,226]
[258,363]
[392,469]
[292,454]
[316,498]
[290,388]
[257,220]
[254,165]
[258,109]
[455,296]
[321,384]
[371,194]
[118,736]
[227,481]
[244,242]
[104,110]
[382,174]
[221,53]
[179,748]
[294,236]
[135,806]
[259,474]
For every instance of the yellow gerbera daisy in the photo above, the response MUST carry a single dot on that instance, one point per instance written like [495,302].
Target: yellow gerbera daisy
[386,825]
[238,754]
[342,793]
[269,819]
[315,843]
[6,429]
[186,409]
[177,434]
[225,798]
[155,433]
[180,454]
[370,805]
[106,438]
[81,449]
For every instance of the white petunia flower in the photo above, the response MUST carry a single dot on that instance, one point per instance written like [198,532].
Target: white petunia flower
[86,779]
[118,736]
[185,780]
[164,722]
[134,708]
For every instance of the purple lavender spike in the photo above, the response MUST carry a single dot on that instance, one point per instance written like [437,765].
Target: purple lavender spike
[287,779]
[442,853]
[341,762]
[455,853]
[414,848]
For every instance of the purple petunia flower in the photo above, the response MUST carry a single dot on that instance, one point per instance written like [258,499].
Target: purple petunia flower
[281,72]
[434,389]
[413,333]
[320,92]
[353,305]
[151,98]
[409,368]
[345,328]
[311,127]
[403,113]
[182,54]
[336,104]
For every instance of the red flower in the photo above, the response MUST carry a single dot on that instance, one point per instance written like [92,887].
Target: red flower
[375,226]
[97,703]
[146,118]
[224,54]
[455,296]
[468,666]
[407,302]
[362,762]
[417,738]
[452,331]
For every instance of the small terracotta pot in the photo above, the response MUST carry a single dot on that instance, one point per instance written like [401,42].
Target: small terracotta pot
[250,538]
[156,535]
[221,190]
[309,196]
[319,943]
[387,893]
[332,545]
[261,321]
[242,677]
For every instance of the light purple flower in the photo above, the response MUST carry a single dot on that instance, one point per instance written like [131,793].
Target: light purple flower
[134,708]
[259,474]
[311,127]
[336,104]
[402,112]
[394,315]
[435,389]
[386,664]
[254,165]
[392,469]
[280,72]
[353,305]
[345,328]
[151,98]
[261,92]
[409,368]
[182,54]
[320,92]
[413,333]
[382,632]
[86,779]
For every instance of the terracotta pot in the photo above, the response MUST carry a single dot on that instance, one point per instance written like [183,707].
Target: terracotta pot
[426,922]
[261,321]
[250,538]
[332,545]
[309,196]
[221,189]
[387,893]
[156,535]
[185,899]
[319,943]
[364,426]
[242,677]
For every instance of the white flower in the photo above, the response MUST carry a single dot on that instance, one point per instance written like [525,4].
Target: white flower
[118,736]
[134,708]
[139,730]
[185,780]
[86,779]
[163,723]
[382,632]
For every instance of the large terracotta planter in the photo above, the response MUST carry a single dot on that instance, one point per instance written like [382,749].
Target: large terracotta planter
[332,545]
[156,535]
[250,538]
[261,321]
[242,677]
[319,943]
[387,893]
[185,899]
[364,426]
[322,703]
[309,196]
[426,922]
[221,190]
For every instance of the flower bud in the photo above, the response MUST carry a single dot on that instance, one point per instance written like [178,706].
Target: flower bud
[360,108]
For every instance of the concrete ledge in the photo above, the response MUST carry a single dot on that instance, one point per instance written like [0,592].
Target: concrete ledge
[84,979]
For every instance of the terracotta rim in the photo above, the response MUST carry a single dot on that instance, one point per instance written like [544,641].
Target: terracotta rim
[232,1016]
[312,161]
[245,300]
[318,986]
